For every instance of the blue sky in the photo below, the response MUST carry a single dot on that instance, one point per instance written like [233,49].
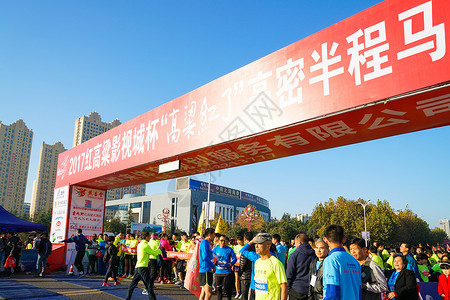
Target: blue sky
[60,60]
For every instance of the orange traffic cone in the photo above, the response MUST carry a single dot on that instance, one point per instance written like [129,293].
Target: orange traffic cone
[71,270]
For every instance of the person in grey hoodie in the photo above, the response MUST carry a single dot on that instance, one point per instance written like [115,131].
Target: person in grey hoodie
[372,277]
[297,271]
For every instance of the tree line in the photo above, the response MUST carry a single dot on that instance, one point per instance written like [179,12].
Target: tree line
[384,224]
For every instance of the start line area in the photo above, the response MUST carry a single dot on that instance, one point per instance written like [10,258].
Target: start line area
[58,286]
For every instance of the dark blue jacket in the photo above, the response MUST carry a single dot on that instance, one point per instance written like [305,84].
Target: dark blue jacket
[205,257]
[297,271]
[79,240]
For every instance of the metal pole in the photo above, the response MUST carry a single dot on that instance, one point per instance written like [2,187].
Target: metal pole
[365,224]
[141,217]
[207,202]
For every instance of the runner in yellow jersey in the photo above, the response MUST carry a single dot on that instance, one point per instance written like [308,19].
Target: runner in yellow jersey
[141,271]
[237,250]
[132,250]
[118,244]
[127,257]
[270,277]
[181,263]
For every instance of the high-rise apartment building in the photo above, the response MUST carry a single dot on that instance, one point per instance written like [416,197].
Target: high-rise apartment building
[88,127]
[44,185]
[15,149]
[115,194]
[26,209]
[303,217]
[445,225]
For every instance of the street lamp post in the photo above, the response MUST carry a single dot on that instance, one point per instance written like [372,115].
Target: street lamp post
[365,223]
[208,202]
[165,216]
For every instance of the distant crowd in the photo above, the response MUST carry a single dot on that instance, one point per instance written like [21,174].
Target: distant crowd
[326,268]
[250,267]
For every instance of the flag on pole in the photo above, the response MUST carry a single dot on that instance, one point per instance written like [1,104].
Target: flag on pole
[448,248]
[219,228]
[201,228]
[201,222]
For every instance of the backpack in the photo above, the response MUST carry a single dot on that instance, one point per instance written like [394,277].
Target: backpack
[105,258]
[111,252]
[49,247]
[366,273]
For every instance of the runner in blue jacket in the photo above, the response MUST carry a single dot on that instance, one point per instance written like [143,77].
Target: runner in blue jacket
[226,258]
[80,247]
[341,271]
[206,259]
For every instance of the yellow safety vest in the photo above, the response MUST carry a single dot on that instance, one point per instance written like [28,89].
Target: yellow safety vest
[132,249]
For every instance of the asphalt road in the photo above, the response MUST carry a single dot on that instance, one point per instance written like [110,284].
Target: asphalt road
[58,286]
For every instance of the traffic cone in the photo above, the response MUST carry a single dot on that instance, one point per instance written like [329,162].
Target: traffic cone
[71,270]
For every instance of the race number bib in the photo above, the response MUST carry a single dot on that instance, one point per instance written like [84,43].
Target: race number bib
[313,280]
[261,286]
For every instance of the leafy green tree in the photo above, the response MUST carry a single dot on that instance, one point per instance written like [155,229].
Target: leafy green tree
[130,219]
[25,217]
[44,218]
[437,236]
[236,230]
[114,225]
[21,215]
[320,218]
[287,227]
[381,221]
[383,224]
[350,214]
[312,230]
[410,228]
[347,213]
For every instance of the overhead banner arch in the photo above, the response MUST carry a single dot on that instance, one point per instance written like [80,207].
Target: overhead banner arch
[379,73]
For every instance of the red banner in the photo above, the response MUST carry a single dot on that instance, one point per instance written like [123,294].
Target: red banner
[179,255]
[86,211]
[129,250]
[385,51]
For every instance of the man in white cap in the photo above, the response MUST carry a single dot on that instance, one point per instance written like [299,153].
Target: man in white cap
[270,277]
